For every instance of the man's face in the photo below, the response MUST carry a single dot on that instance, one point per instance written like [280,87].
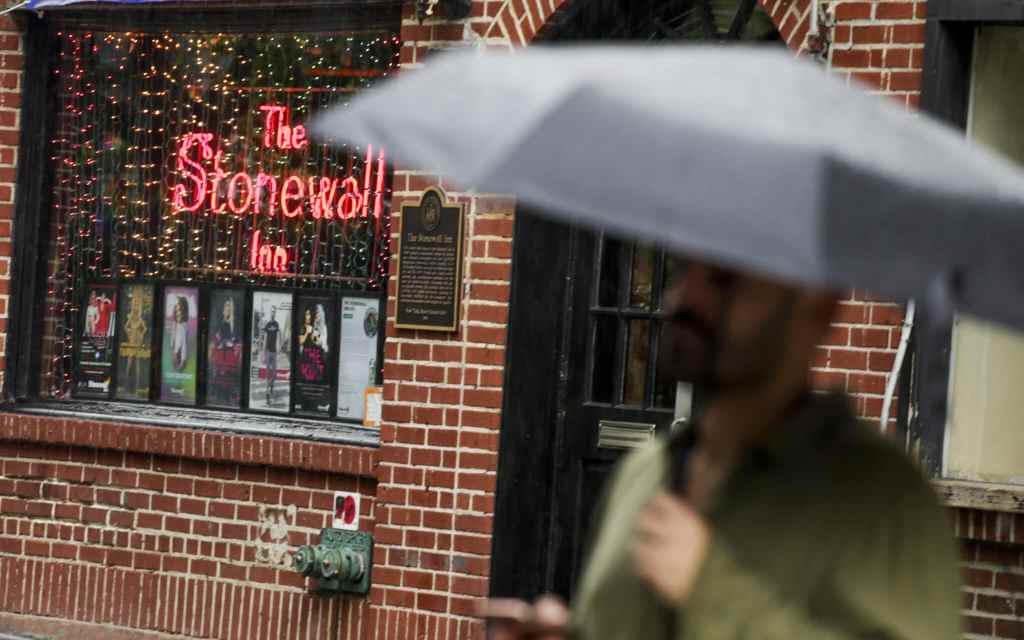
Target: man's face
[723,328]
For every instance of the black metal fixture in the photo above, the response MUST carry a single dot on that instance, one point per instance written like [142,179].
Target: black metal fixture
[446,9]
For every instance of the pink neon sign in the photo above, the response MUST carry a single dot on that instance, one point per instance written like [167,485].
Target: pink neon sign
[202,175]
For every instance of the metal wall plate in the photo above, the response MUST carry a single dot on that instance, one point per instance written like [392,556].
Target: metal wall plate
[619,434]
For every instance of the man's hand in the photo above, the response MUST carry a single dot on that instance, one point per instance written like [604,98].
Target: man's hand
[510,619]
[671,544]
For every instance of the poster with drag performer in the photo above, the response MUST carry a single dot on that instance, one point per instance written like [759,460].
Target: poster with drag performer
[270,364]
[224,350]
[312,390]
[96,342]
[179,356]
[135,341]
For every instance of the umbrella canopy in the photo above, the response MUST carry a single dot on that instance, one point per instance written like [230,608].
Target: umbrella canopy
[743,156]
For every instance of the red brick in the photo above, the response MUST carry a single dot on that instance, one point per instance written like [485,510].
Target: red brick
[495,271]
[1000,605]
[445,395]
[897,59]
[491,292]
[894,11]
[871,34]
[1010,628]
[431,602]
[488,398]
[852,58]
[872,81]
[847,359]
[477,481]
[827,380]
[905,81]
[877,338]
[853,11]
[908,33]
[866,383]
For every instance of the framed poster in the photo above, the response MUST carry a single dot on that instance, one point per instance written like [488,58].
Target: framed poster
[312,382]
[358,348]
[270,363]
[224,348]
[96,342]
[179,359]
[135,341]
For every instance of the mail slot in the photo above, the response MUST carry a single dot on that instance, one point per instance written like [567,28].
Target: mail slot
[619,434]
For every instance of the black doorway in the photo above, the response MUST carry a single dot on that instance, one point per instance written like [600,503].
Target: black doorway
[581,387]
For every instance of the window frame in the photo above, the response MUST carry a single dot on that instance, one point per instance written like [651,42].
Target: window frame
[945,94]
[34,178]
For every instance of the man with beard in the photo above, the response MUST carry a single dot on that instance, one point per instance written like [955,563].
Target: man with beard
[773,515]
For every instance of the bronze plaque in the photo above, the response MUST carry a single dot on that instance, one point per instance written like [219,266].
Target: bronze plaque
[430,264]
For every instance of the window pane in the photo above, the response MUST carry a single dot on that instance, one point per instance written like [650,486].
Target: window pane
[642,276]
[603,372]
[664,387]
[611,273]
[985,441]
[636,362]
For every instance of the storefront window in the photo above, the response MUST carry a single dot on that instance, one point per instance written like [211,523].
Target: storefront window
[203,250]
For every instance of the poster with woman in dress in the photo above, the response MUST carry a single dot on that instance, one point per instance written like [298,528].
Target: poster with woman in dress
[135,338]
[224,353]
[96,342]
[179,357]
[270,364]
[313,377]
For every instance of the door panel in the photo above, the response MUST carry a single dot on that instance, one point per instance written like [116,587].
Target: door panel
[612,378]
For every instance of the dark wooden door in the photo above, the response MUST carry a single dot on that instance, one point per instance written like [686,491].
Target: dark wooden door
[614,399]
[582,389]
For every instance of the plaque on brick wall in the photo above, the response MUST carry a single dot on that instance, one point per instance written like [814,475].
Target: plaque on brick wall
[430,264]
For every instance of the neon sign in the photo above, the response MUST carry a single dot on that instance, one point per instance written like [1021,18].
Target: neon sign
[202,176]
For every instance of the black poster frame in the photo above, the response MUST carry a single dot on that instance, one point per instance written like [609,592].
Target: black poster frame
[331,306]
[112,348]
[243,340]
[378,374]
[121,287]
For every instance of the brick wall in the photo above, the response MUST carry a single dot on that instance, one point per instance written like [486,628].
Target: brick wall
[993,566]
[442,398]
[172,531]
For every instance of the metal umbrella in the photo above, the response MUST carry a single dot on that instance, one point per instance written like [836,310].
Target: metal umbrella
[743,156]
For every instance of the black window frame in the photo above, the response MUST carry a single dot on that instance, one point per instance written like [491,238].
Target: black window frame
[34,179]
[945,94]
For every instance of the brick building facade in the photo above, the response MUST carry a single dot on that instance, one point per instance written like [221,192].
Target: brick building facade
[111,528]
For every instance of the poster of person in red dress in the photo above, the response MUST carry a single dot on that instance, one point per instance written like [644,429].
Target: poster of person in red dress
[96,343]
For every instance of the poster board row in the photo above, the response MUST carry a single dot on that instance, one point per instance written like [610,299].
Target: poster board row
[308,353]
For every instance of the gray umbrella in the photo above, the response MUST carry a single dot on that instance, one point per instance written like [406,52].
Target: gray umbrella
[744,156]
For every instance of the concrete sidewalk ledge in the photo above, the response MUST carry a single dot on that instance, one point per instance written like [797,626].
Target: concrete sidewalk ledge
[18,627]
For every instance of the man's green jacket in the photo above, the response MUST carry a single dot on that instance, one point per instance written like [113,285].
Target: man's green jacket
[829,532]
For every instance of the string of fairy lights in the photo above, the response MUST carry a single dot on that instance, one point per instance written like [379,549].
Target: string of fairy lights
[127,100]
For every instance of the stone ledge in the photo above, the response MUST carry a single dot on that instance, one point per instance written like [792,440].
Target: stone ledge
[279,442]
